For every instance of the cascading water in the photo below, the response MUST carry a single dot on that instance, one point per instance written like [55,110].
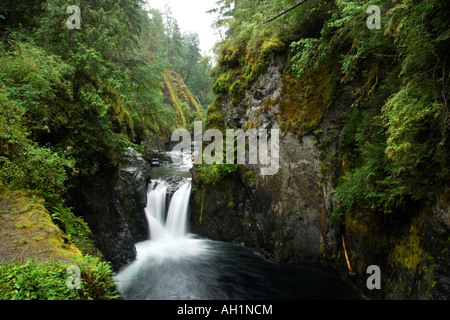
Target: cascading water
[156,208]
[169,241]
[176,265]
[177,217]
[176,224]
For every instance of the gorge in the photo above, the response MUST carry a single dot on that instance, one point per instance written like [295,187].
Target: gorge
[177,265]
[335,163]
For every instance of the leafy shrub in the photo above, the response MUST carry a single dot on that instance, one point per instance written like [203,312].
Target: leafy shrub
[215,173]
[35,280]
[23,164]
[395,139]
[74,227]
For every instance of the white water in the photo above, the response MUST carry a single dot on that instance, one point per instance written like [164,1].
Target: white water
[156,208]
[176,224]
[169,239]
[177,217]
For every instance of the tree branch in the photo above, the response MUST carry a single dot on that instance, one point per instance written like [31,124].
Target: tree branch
[286,11]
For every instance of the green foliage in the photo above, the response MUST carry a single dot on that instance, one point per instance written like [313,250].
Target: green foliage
[104,61]
[250,43]
[181,51]
[37,81]
[90,93]
[304,49]
[75,228]
[245,52]
[406,115]
[146,104]
[48,281]
[25,165]
[212,174]
[394,137]
[71,102]
[35,168]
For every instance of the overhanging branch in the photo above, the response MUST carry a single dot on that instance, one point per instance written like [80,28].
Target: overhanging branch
[286,11]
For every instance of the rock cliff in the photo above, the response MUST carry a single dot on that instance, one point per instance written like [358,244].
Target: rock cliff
[113,204]
[287,216]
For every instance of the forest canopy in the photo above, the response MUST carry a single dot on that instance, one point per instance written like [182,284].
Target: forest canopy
[74,99]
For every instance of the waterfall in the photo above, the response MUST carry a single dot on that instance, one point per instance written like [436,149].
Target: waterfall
[177,217]
[174,264]
[156,208]
[176,223]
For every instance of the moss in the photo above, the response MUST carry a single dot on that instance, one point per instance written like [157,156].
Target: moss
[407,252]
[34,258]
[230,56]
[231,82]
[249,176]
[249,126]
[213,174]
[241,63]
[23,241]
[174,101]
[407,269]
[119,116]
[229,196]
[305,100]
[413,269]
[258,55]
[214,117]
[269,103]
[187,108]
[127,207]
[25,218]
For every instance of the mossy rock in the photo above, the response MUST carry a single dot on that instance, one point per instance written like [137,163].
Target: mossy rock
[27,231]
[305,100]
[408,271]
[178,95]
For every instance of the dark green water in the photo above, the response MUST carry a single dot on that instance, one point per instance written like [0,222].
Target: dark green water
[199,269]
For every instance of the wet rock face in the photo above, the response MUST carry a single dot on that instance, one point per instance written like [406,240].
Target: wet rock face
[113,204]
[230,211]
[298,204]
[283,215]
[173,183]
[133,178]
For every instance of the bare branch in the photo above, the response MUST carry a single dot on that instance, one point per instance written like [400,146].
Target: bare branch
[286,11]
